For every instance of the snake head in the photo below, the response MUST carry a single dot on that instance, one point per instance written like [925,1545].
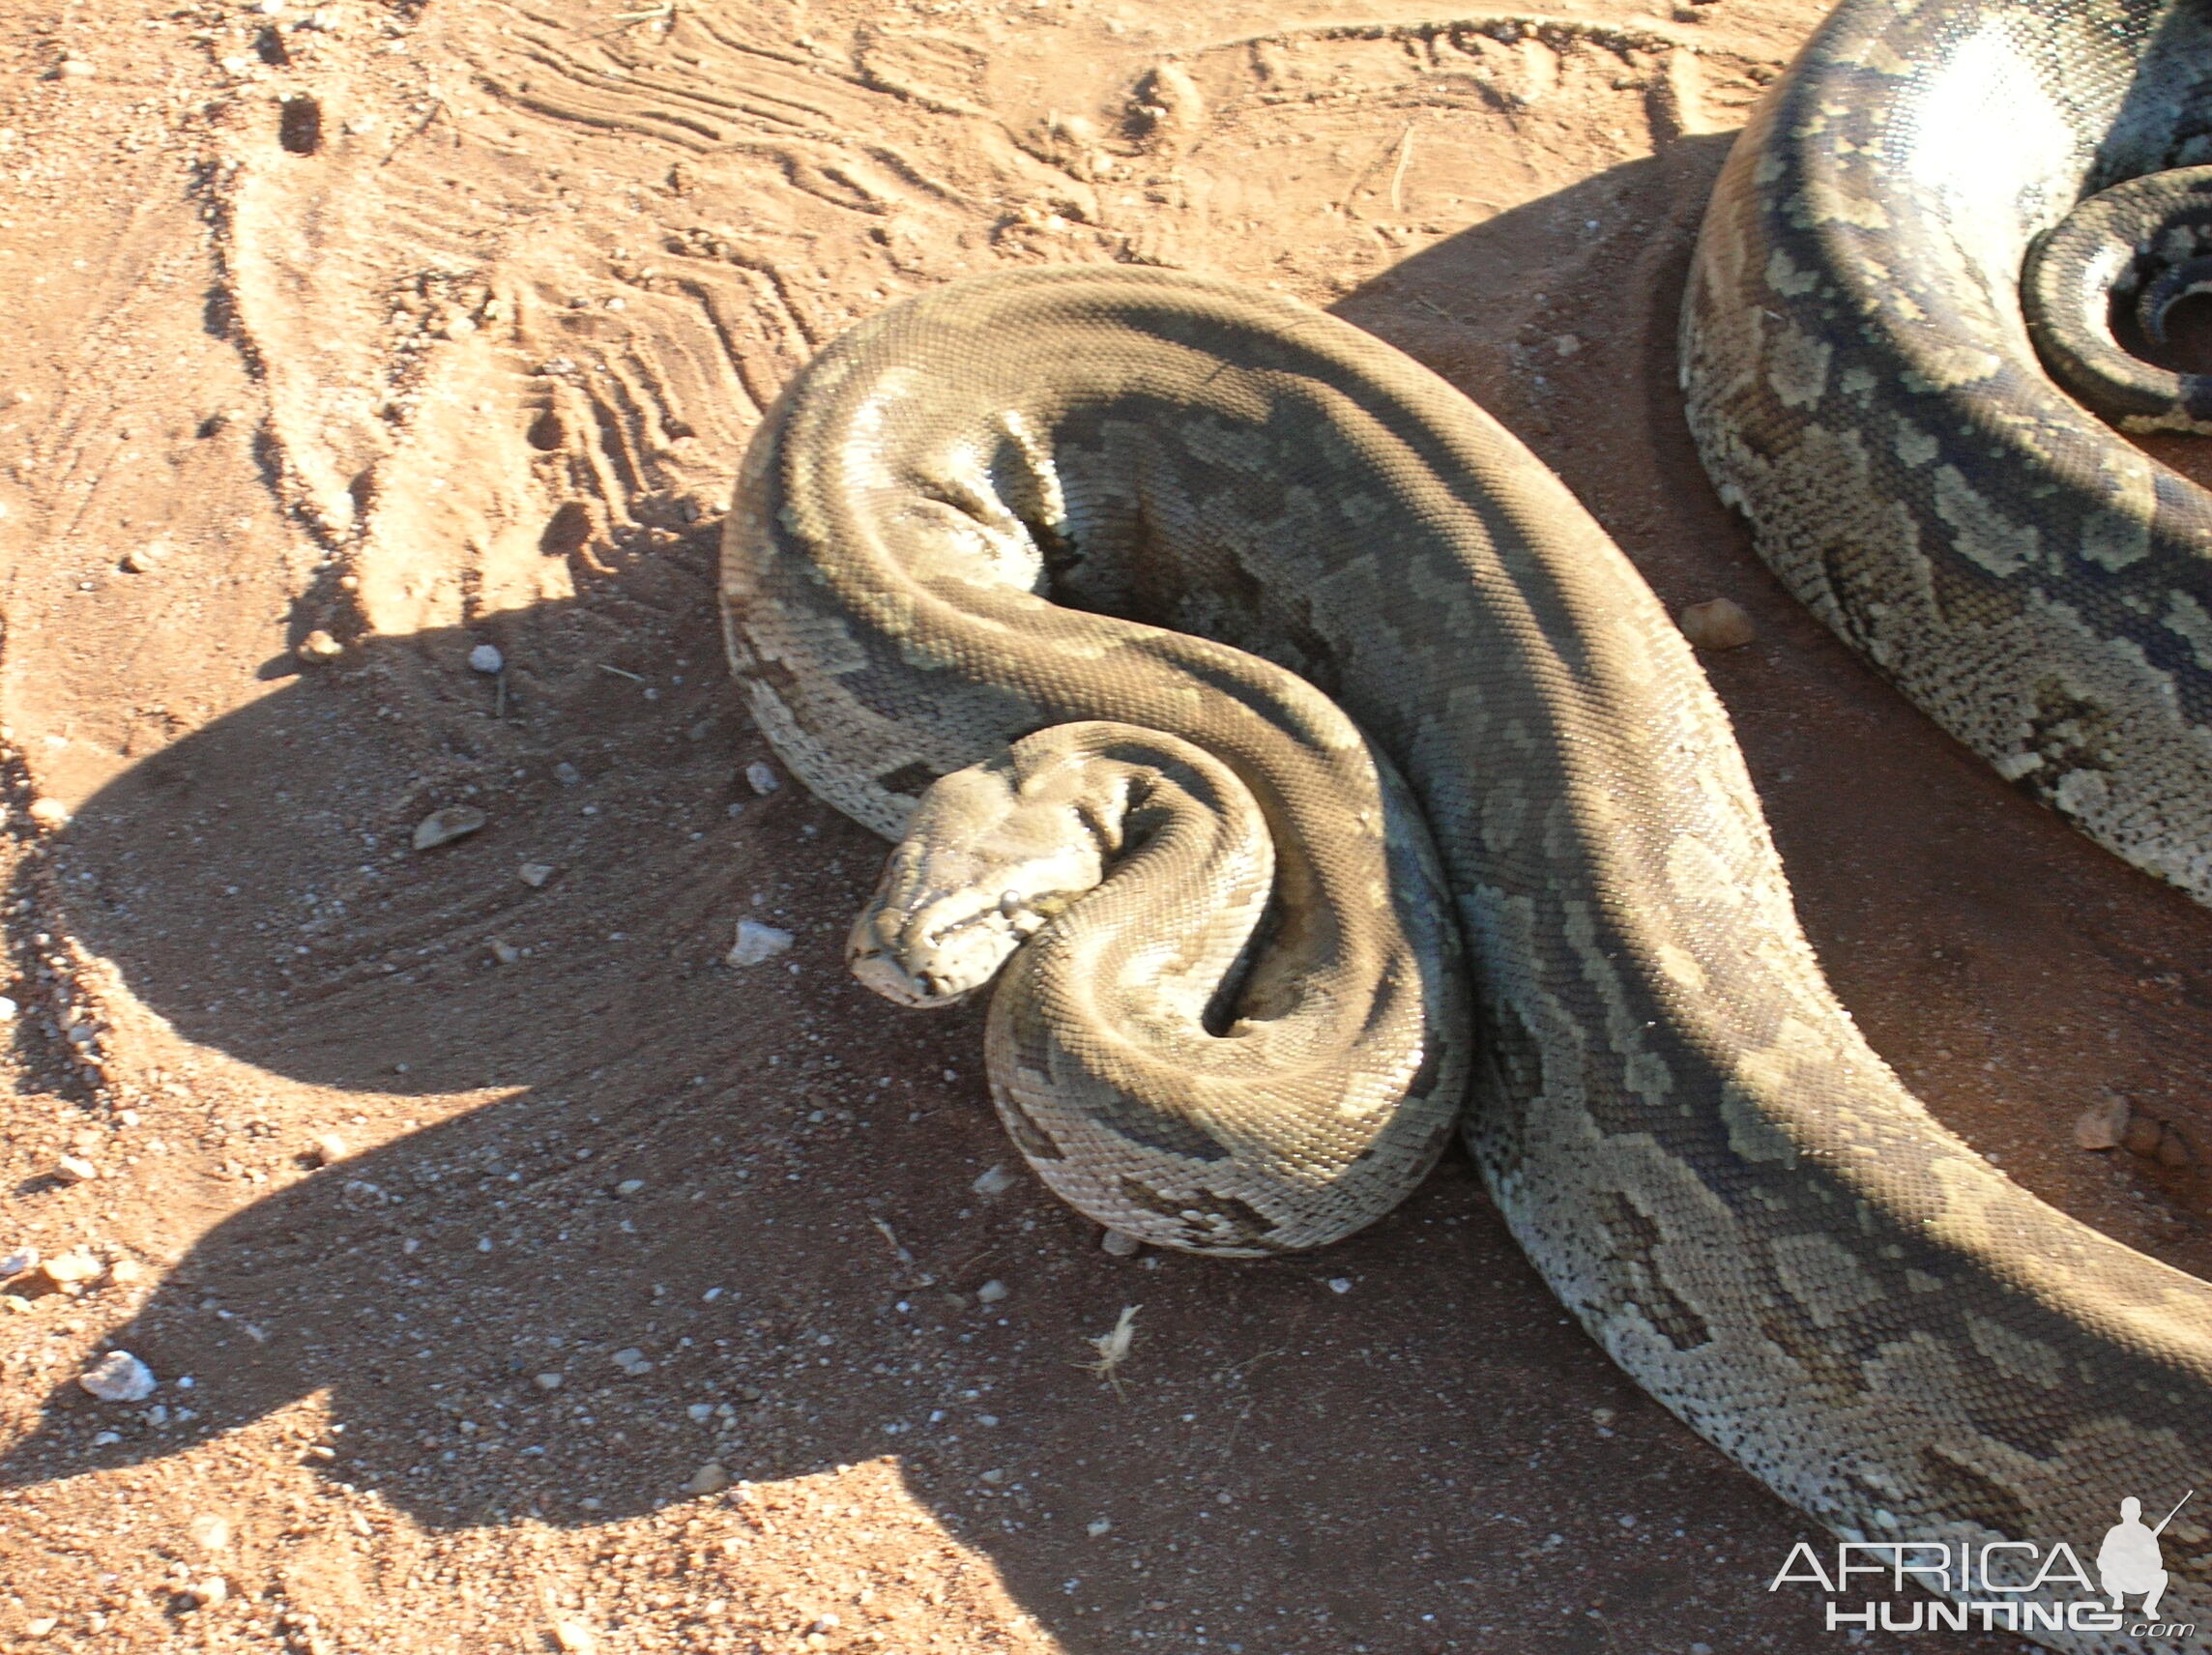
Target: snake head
[983,867]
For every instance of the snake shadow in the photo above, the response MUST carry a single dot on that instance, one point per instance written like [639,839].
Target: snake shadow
[707,1214]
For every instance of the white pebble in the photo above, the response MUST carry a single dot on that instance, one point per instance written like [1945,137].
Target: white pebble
[1120,1244]
[210,1591]
[444,826]
[632,1362]
[16,1259]
[503,952]
[8,1009]
[549,1381]
[318,647]
[324,1148]
[486,658]
[762,778]
[76,69]
[1103,1525]
[707,1479]
[51,813]
[209,1532]
[77,1265]
[756,943]
[991,1292]
[533,874]
[996,1182]
[118,1377]
[1340,1284]
[701,1412]
[76,1170]
[629,1186]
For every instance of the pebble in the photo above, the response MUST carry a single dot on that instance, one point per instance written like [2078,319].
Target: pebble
[76,69]
[701,1412]
[996,1182]
[486,658]
[51,813]
[209,1532]
[629,1186]
[1340,1284]
[140,560]
[77,1265]
[762,778]
[632,1362]
[1101,1527]
[324,1148]
[707,1479]
[8,1009]
[318,647]
[444,826]
[535,874]
[574,1635]
[76,1170]
[549,1381]
[210,1591]
[756,943]
[16,1259]
[1717,623]
[124,1271]
[991,1292]
[1120,1244]
[118,1377]
[567,773]
[505,952]
[2102,1125]
[42,1626]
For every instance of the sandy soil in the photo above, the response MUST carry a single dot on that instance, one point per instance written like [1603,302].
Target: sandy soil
[431,326]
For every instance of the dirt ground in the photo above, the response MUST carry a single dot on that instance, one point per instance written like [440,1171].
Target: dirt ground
[433,327]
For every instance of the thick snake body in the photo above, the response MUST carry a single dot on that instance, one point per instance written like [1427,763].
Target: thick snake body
[1684,1128]
[1862,383]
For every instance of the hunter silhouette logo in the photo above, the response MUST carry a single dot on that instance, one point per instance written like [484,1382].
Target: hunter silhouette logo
[2129,1559]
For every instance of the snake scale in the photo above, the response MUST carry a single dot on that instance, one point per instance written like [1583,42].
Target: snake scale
[1268,680]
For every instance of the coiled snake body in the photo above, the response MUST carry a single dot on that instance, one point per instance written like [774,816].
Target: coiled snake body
[1096,542]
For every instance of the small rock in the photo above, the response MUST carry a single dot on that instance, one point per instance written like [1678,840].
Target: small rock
[125,1271]
[2143,1135]
[75,68]
[1121,1243]
[1567,344]
[444,826]
[991,1292]
[50,813]
[707,1479]
[77,1265]
[141,560]
[209,1532]
[8,1009]
[212,1590]
[1717,623]
[76,1170]
[632,1362]
[629,1186]
[118,1377]
[756,943]
[762,778]
[16,1259]
[486,658]
[567,773]
[823,1624]
[574,1635]
[319,646]
[549,1381]
[701,1412]
[325,1147]
[42,1626]
[1103,1526]
[505,952]
[996,1182]
[1340,1284]
[533,874]
[2102,1125]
